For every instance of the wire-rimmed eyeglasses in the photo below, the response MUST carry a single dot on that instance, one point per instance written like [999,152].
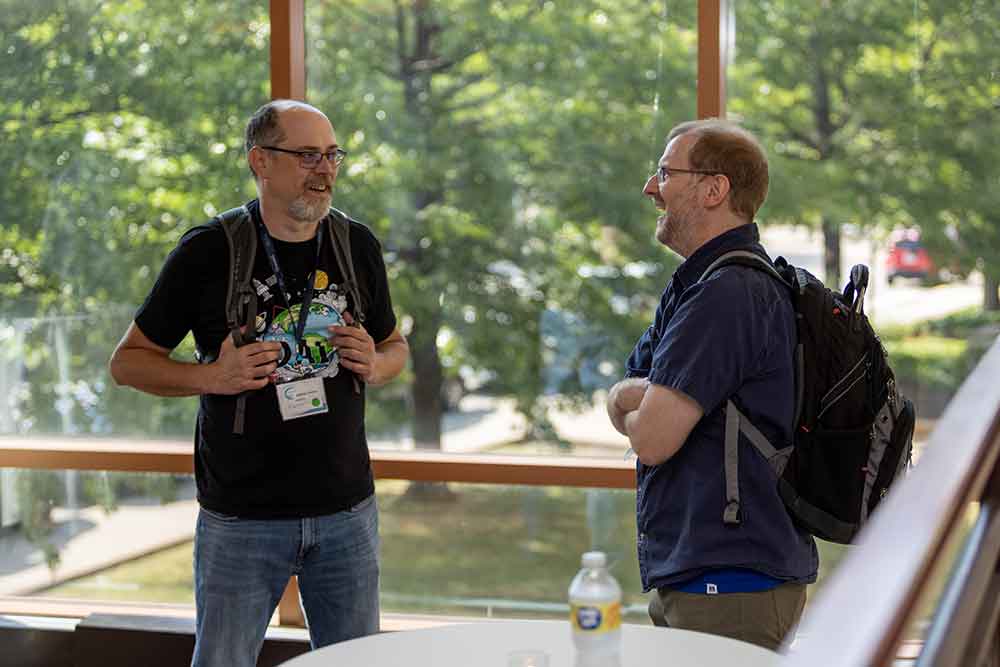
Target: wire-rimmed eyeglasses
[664,172]
[311,159]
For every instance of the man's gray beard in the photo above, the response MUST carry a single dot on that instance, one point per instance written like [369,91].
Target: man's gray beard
[301,211]
[668,232]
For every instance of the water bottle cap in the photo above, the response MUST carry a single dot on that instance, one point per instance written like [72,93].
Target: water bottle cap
[594,559]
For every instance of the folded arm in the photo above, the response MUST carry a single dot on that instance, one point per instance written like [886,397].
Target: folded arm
[623,398]
[656,419]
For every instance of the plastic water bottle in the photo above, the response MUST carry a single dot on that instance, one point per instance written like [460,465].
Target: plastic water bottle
[595,604]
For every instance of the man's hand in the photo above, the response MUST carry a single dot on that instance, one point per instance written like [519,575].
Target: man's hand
[355,347]
[239,369]
[623,398]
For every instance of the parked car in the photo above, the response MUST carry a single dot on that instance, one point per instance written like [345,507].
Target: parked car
[908,258]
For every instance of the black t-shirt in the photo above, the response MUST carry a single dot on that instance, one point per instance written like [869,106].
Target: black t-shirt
[308,466]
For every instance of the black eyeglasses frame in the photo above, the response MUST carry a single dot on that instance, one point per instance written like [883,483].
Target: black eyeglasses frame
[312,159]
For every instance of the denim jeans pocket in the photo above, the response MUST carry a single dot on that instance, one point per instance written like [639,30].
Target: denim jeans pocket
[363,505]
[219,516]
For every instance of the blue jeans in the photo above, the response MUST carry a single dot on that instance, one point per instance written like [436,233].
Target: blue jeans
[241,568]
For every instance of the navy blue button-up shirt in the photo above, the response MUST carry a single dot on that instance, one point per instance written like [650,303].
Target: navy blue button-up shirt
[729,336]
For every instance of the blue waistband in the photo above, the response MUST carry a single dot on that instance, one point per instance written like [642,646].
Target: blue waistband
[728,580]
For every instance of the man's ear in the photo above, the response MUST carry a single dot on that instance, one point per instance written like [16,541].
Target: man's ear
[258,160]
[717,191]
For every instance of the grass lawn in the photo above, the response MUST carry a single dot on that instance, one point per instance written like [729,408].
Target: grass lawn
[471,555]
[164,576]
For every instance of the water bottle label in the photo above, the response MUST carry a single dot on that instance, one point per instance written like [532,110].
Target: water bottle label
[596,618]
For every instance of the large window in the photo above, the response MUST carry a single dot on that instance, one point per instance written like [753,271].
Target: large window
[500,156]
[879,117]
[121,128]
[498,150]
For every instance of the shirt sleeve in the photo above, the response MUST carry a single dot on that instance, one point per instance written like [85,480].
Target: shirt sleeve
[169,311]
[640,361]
[714,340]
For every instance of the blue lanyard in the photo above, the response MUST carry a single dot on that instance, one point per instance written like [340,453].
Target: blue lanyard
[272,257]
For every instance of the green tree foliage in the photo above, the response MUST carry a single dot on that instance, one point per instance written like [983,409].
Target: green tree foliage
[954,176]
[496,148]
[121,126]
[813,79]
[877,114]
[499,149]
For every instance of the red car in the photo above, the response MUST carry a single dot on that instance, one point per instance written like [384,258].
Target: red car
[908,259]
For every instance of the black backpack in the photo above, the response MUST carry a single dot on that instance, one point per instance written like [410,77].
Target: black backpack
[853,430]
[241,296]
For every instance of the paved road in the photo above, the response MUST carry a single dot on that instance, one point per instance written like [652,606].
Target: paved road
[901,303]
[102,539]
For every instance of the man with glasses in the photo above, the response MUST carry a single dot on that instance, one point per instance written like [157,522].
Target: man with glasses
[291,491]
[729,335]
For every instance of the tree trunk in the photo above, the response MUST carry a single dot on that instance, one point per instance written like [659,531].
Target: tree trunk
[822,108]
[427,385]
[991,299]
[428,407]
[831,253]
[416,51]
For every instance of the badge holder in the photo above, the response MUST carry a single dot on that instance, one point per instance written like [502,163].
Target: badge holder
[302,398]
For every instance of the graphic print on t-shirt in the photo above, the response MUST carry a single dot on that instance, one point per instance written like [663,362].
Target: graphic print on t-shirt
[313,357]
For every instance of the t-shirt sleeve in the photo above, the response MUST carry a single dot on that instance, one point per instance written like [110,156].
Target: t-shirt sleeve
[170,309]
[712,343]
[380,320]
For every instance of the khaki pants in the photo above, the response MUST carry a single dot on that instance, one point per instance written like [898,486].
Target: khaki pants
[763,618]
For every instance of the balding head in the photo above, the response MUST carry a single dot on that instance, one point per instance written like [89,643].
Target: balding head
[264,127]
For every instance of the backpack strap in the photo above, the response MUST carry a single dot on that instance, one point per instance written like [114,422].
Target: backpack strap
[241,297]
[736,421]
[731,466]
[743,258]
[339,228]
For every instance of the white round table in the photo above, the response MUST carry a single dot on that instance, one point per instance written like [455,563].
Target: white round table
[495,643]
